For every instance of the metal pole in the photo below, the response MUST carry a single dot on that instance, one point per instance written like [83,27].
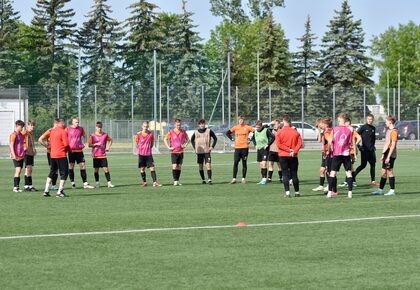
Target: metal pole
[334,106]
[236,103]
[20,102]
[418,127]
[269,103]
[79,87]
[167,105]
[160,98]
[154,94]
[229,97]
[202,102]
[58,101]
[394,101]
[387,91]
[399,89]
[132,118]
[303,115]
[258,85]
[223,97]
[364,103]
[95,104]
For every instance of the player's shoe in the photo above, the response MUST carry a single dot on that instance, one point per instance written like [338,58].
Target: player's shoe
[269,180]
[344,184]
[17,189]
[354,184]
[110,185]
[87,186]
[319,188]
[328,194]
[156,184]
[243,181]
[350,195]
[287,195]
[60,194]
[374,183]
[390,193]
[46,194]
[144,184]
[262,182]
[54,187]
[233,181]
[378,192]
[334,193]
[30,189]
[297,194]
[73,185]
[209,182]
[203,182]
[326,188]
[97,184]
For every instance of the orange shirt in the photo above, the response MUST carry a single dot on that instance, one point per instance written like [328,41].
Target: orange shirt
[46,136]
[327,135]
[12,140]
[59,142]
[29,144]
[241,135]
[136,138]
[354,136]
[168,136]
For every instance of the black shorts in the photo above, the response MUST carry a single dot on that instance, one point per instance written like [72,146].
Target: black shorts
[100,162]
[241,153]
[389,165]
[262,155]
[29,160]
[340,159]
[177,158]
[49,158]
[78,157]
[60,164]
[203,158]
[146,161]
[18,163]
[273,156]
[289,163]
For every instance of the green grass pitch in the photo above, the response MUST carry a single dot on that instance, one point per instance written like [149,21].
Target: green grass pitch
[365,254]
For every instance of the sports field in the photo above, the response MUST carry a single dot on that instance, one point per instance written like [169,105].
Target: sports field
[185,237]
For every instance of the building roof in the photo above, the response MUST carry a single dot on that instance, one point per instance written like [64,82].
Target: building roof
[13,94]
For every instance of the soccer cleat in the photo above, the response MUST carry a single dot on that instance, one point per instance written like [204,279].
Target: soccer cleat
[87,186]
[97,184]
[209,182]
[319,188]
[243,181]
[46,194]
[269,180]
[31,189]
[334,193]
[203,182]
[262,182]
[374,183]
[175,183]
[328,194]
[17,189]
[156,184]
[326,188]
[378,192]
[350,195]
[287,195]
[110,185]
[354,184]
[60,194]
[390,193]
[344,184]
[233,181]
[297,194]
[144,184]
[73,185]
[54,187]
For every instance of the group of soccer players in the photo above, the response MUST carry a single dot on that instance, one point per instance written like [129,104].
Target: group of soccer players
[277,146]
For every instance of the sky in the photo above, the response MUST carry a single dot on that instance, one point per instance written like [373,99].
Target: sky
[376,15]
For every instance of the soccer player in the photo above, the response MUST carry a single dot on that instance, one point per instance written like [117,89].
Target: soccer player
[59,148]
[341,141]
[353,150]
[30,153]
[201,142]
[273,154]
[144,142]
[389,154]
[289,142]
[176,140]
[325,131]
[367,149]
[17,152]
[241,132]
[44,140]
[262,139]
[100,142]
[77,138]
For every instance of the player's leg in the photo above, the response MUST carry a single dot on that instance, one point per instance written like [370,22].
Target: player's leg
[83,174]
[372,164]
[200,161]
[363,163]
[294,166]
[104,165]
[384,175]
[72,162]
[29,163]
[150,163]
[142,168]
[208,167]
[284,162]
[63,167]
[322,171]
[244,164]
[270,170]
[51,175]
[236,159]
[391,177]
[16,178]
[279,171]
[348,166]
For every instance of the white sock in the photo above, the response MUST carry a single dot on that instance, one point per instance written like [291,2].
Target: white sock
[47,187]
[297,192]
[60,188]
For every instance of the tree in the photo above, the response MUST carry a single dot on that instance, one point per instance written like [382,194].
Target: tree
[343,63]
[261,9]
[230,10]
[9,54]
[98,39]
[402,44]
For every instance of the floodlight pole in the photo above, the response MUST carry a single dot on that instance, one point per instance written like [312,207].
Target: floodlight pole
[258,86]
[229,96]
[399,89]
[79,87]
[387,90]
[223,97]
[154,95]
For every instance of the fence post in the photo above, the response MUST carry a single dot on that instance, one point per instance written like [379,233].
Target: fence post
[95,104]
[229,97]
[79,86]
[20,103]
[223,97]
[393,91]
[132,119]
[154,93]
[258,86]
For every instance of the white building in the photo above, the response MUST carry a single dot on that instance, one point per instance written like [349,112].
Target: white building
[13,107]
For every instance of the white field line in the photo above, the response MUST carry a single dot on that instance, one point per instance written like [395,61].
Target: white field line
[208,227]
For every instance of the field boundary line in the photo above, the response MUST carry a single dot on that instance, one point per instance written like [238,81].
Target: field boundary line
[190,228]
